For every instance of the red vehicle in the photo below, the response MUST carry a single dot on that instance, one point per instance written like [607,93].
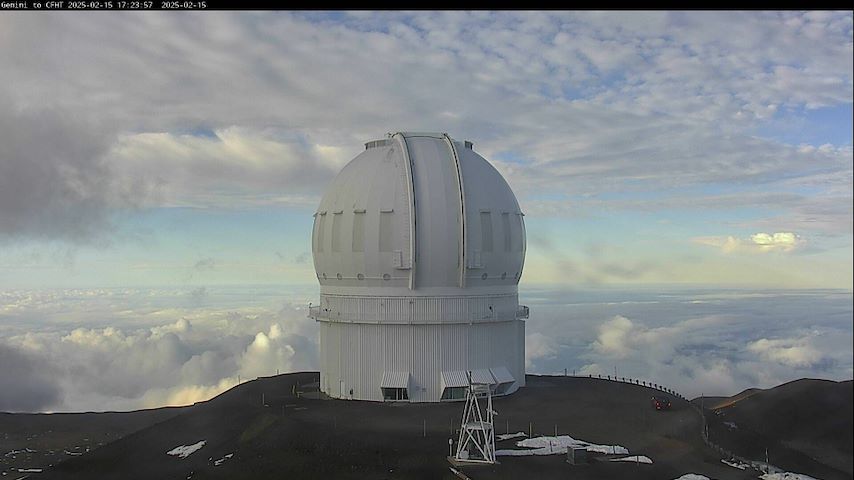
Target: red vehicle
[661,403]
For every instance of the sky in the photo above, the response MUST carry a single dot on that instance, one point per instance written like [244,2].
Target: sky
[158,170]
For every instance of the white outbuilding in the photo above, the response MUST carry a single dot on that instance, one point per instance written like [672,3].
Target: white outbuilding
[418,246]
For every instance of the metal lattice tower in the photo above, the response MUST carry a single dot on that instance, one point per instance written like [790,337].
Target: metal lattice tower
[477,436]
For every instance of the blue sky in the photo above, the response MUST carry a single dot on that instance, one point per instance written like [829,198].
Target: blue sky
[819,126]
[187,151]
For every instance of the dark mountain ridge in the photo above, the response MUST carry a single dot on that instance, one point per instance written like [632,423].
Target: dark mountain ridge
[806,417]
[281,427]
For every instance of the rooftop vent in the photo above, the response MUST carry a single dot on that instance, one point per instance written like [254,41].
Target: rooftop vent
[468,145]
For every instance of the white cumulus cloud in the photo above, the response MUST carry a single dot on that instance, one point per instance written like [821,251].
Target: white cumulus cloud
[794,352]
[784,242]
[615,337]
[539,347]
[780,241]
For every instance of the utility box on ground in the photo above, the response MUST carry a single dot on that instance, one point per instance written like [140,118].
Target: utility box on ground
[576,456]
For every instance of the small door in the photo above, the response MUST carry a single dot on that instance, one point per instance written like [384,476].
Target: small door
[343,392]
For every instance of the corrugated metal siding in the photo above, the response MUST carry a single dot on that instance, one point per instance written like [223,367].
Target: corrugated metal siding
[455,345]
[359,353]
[370,363]
[520,353]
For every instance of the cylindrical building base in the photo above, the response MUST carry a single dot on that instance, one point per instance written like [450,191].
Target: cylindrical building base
[421,362]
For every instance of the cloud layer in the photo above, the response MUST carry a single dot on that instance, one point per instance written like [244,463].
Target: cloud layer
[713,342]
[126,349]
[73,350]
[29,382]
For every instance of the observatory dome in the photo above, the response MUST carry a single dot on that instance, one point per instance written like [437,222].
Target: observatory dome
[418,247]
[409,212]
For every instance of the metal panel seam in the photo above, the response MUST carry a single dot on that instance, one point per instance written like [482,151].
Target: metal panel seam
[410,190]
[458,169]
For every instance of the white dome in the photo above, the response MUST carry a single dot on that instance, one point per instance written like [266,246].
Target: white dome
[418,246]
[415,213]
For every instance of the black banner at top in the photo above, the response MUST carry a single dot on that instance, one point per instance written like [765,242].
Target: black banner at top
[140,5]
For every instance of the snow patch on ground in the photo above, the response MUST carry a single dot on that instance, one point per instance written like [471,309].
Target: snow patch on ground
[692,476]
[223,459]
[634,459]
[13,453]
[508,436]
[558,445]
[735,464]
[184,451]
[786,476]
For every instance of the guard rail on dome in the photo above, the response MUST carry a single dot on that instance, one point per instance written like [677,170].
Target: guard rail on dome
[318,313]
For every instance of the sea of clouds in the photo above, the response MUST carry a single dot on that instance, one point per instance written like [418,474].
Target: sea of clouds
[697,341]
[123,349]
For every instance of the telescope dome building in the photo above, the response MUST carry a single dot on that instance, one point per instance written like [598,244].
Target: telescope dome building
[418,246]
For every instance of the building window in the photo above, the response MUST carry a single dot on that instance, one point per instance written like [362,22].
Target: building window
[454,393]
[336,231]
[395,394]
[359,232]
[502,388]
[485,231]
